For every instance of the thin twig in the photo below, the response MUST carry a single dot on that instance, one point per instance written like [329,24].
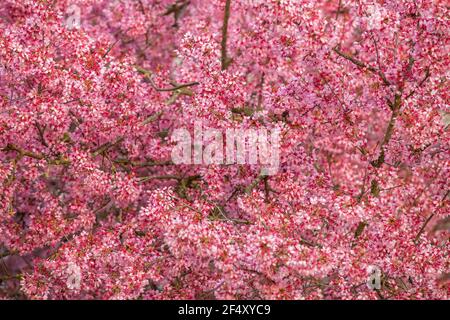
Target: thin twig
[362,65]
[148,75]
[41,132]
[174,88]
[161,177]
[425,78]
[424,225]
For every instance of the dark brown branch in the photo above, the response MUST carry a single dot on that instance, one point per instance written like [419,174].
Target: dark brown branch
[152,118]
[218,213]
[389,130]
[177,10]
[338,11]
[225,60]
[362,65]
[104,147]
[99,150]
[174,88]
[22,152]
[141,7]
[110,48]
[310,243]
[255,182]
[148,75]
[162,177]
[422,229]
[424,225]
[41,132]
[143,164]
[442,224]
[261,87]
[425,78]
[26,153]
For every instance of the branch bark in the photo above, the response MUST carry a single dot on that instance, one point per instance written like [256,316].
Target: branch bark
[225,60]
[148,75]
[363,65]
[395,107]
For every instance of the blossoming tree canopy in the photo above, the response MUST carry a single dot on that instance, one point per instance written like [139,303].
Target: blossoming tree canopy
[92,205]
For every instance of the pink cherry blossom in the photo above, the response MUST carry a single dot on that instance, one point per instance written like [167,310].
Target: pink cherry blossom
[92,206]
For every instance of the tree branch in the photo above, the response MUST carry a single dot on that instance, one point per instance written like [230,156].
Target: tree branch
[362,65]
[161,177]
[395,106]
[148,75]
[424,225]
[425,78]
[225,60]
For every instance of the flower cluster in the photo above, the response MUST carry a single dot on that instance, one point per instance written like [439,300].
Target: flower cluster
[92,206]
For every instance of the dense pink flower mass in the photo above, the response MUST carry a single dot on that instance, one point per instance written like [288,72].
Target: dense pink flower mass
[92,206]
